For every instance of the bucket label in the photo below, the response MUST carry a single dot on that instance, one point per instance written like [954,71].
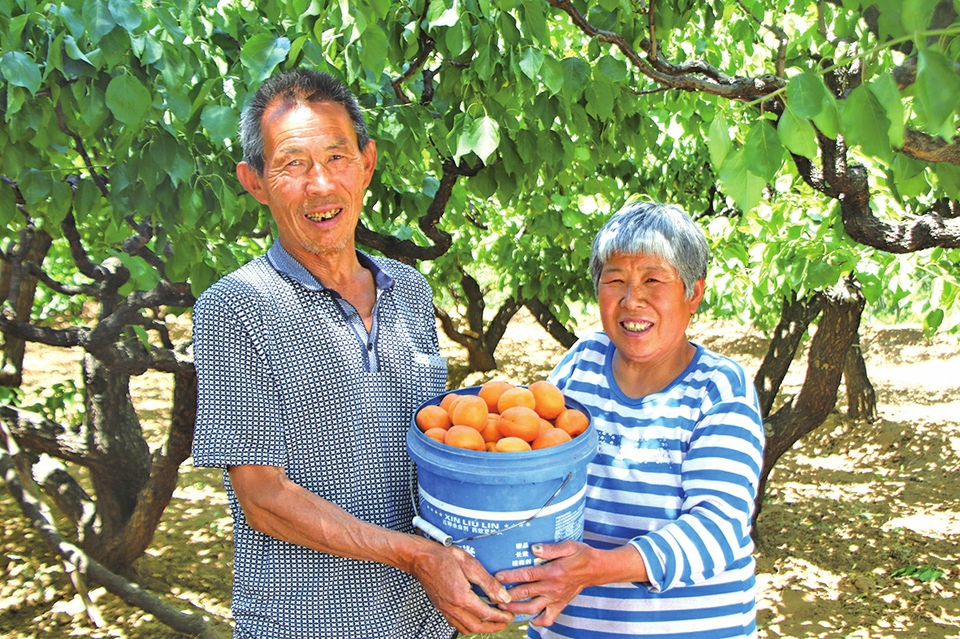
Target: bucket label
[569,524]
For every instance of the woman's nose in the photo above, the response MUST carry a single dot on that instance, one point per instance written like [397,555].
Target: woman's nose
[633,297]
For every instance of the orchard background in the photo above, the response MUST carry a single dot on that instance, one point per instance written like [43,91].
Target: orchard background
[814,141]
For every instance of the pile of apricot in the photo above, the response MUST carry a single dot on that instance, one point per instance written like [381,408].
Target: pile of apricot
[503,418]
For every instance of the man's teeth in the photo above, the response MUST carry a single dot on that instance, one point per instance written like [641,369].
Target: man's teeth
[326,215]
[637,326]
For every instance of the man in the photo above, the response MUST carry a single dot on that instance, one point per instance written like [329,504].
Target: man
[311,360]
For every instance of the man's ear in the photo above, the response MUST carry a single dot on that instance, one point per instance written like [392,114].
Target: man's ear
[252,182]
[369,155]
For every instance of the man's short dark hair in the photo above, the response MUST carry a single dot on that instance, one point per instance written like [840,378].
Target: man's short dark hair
[298,86]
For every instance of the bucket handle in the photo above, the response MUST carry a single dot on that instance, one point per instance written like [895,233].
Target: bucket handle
[438,535]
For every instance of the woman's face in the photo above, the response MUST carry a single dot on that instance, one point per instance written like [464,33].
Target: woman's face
[644,310]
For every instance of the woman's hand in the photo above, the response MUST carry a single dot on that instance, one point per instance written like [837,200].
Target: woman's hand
[570,566]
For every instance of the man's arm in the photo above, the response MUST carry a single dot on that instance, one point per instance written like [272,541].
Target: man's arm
[276,506]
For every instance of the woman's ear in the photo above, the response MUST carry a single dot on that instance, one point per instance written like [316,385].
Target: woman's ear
[697,297]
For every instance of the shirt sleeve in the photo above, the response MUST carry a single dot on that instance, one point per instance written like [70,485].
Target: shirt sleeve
[238,416]
[719,477]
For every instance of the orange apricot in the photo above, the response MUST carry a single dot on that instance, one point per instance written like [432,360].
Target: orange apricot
[432,417]
[552,437]
[449,400]
[544,425]
[470,411]
[436,433]
[464,437]
[572,421]
[490,432]
[491,447]
[491,391]
[518,396]
[548,400]
[519,421]
[511,445]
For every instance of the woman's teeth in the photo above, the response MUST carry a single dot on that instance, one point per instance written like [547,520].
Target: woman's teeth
[637,326]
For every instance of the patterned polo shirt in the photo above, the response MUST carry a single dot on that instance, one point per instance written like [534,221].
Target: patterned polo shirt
[289,377]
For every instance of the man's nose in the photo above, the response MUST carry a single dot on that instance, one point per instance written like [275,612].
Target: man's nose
[319,179]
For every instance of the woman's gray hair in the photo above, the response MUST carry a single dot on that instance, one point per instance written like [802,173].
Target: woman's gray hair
[659,230]
[298,86]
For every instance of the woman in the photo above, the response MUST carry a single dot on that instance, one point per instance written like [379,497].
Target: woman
[670,495]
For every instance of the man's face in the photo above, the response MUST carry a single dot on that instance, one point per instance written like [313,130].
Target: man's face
[314,179]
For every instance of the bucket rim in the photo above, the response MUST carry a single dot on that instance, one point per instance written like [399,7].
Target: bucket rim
[496,468]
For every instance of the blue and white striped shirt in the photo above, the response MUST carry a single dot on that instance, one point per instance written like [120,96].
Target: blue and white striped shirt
[675,475]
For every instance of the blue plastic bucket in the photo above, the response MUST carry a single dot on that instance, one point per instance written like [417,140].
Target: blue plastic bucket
[495,505]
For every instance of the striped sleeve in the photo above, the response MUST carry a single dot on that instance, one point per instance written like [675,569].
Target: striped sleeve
[719,476]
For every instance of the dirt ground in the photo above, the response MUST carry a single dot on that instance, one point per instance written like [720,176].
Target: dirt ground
[858,534]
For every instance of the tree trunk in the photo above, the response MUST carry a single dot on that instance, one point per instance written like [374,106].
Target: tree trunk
[795,318]
[545,317]
[480,341]
[120,461]
[19,286]
[836,331]
[861,396]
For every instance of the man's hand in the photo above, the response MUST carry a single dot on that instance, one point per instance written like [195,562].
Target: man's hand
[446,574]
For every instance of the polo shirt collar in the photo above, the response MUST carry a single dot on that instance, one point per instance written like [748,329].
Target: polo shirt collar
[286,264]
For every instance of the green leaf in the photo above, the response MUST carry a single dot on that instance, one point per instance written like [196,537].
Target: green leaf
[97,20]
[884,87]
[440,15]
[864,122]
[531,61]
[35,186]
[936,89]
[718,141]
[762,150]
[125,13]
[19,70]
[611,68]
[481,136]
[575,74]
[932,322]
[262,53]
[128,99]
[600,98]
[828,120]
[70,45]
[740,184]
[143,336]
[552,74]
[797,134]
[948,176]
[373,51]
[61,197]
[221,123]
[917,14]
[806,95]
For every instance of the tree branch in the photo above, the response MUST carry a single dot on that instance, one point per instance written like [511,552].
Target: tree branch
[694,77]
